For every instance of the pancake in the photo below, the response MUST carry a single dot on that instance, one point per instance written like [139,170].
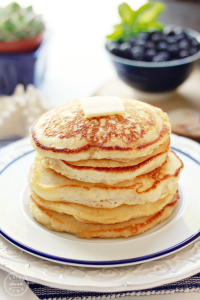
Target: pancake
[122,213]
[65,133]
[109,171]
[66,223]
[150,187]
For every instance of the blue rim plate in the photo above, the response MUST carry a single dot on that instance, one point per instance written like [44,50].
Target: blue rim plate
[25,234]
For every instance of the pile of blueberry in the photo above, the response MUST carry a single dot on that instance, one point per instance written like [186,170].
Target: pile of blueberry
[156,46]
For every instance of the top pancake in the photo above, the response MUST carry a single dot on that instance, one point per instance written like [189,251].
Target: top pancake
[65,133]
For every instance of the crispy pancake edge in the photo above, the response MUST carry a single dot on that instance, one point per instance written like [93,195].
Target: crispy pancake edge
[100,195]
[55,222]
[122,213]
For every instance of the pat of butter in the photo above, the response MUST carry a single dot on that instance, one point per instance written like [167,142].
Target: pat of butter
[102,106]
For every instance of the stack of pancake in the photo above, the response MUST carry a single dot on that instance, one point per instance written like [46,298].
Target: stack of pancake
[105,177]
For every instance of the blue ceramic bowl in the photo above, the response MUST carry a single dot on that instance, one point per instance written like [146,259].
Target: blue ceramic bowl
[25,68]
[155,77]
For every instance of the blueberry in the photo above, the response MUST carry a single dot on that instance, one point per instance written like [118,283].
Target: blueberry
[193,51]
[150,45]
[138,56]
[114,48]
[149,54]
[153,32]
[179,37]
[184,53]
[173,50]
[132,40]
[180,30]
[137,53]
[137,49]
[189,37]
[120,41]
[161,56]
[125,46]
[162,46]
[140,42]
[184,45]
[164,53]
[156,37]
[164,37]
[158,58]
[171,40]
[169,32]
[143,35]
[126,50]
[194,42]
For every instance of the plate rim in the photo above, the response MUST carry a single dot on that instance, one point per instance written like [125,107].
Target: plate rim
[114,263]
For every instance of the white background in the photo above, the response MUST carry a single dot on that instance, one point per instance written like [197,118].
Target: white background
[77,62]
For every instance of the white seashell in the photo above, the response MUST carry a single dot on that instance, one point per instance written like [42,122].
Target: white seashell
[18,112]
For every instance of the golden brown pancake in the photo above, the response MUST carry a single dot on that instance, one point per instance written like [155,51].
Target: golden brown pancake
[104,177]
[65,133]
[122,213]
[109,171]
[149,187]
[66,223]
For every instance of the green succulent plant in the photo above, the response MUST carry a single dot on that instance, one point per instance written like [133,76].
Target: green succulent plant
[19,23]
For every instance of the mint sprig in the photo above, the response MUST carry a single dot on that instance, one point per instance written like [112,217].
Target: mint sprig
[144,19]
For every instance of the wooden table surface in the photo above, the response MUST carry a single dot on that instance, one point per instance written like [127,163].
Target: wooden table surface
[187,96]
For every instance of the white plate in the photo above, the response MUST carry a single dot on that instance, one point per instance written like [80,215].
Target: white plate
[179,230]
[23,230]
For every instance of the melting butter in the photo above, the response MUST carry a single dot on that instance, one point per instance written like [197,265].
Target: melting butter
[102,106]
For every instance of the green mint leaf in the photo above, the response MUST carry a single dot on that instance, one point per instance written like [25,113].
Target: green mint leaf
[142,9]
[119,26]
[127,31]
[126,13]
[155,25]
[116,35]
[152,13]
[144,19]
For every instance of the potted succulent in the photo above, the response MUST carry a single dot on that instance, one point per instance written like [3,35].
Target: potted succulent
[22,47]
[21,30]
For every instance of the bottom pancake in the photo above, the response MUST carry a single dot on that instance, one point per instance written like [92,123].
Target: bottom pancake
[66,223]
[122,213]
